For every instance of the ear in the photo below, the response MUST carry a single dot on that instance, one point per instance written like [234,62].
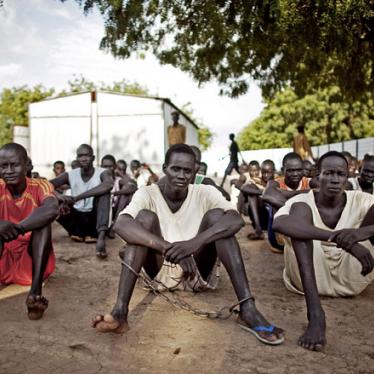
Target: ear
[93,157]
[164,166]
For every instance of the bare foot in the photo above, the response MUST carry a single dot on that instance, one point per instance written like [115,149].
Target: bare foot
[100,246]
[314,337]
[255,236]
[36,306]
[252,320]
[107,323]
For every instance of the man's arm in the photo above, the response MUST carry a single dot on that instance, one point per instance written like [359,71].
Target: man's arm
[210,182]
[134,233]
[60,180]
[41,216]
[229,224]
[277,197]
[127,188]
[101,189]
[251,189]
[299,224]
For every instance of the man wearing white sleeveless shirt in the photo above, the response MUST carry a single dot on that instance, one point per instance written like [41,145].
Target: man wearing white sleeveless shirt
[85,214]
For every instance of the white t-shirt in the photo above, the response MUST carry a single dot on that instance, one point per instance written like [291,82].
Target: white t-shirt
[185,222]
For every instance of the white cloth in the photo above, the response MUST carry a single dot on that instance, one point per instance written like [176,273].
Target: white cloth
[78,186]
[143,178]
[182,225]
[337,272]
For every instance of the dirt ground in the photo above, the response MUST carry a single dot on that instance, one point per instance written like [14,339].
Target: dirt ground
[165,339]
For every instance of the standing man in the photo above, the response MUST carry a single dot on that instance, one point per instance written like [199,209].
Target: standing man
[234,161]
[175,232]
[27,209]
[301,144]
[176,131]
[85,214]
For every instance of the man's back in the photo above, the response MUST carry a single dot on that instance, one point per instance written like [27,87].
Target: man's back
[176,134]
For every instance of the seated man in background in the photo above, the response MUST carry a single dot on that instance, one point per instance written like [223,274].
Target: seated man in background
[58,169]
[85,214]
[278,191]
[202,179]
[176,231]
[329,245]
[27,209]
[309,169]
[142,174]
[123,188]
[365,181]
[253,203]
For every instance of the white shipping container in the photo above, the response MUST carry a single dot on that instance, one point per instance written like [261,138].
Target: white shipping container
[126,126]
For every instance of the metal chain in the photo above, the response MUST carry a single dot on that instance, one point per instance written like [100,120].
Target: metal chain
[223,313]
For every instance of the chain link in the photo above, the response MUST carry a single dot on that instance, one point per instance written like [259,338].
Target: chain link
[223,313]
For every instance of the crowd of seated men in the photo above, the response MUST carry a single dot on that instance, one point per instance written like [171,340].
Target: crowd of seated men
[179,226]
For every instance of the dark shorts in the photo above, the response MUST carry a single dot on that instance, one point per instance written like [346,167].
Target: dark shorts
[231,166]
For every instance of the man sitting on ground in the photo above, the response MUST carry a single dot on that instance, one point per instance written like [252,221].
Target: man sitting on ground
[253,203]
[175,231]
[278,191]
[27,209]
[123,188]
[85,214]
[365,181]
[324,228]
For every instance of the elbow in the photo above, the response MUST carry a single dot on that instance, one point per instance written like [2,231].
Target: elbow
[52,212]
[108,186]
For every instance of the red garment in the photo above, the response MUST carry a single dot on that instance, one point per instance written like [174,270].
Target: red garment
[16,263]
[303,185]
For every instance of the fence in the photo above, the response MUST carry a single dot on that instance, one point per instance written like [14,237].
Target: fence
[357,147]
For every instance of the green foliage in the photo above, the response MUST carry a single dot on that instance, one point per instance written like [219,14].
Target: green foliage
[82,84]
[326,116]
[299,43]
[204,133]
[14,106]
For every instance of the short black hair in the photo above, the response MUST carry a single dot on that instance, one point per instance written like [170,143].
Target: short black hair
[135,164]
[18,148]
[232,136]
[330,154]
[268,162]
[300,129]
[86,146]
[291,156]
[58,163]
[121,161]
[368,157]
[109,157]
[197,152]
[179,148]
[254,163]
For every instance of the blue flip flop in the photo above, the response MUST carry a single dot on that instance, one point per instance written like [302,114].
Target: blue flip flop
[255,331]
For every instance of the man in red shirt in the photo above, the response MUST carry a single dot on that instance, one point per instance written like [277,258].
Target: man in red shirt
[27,208]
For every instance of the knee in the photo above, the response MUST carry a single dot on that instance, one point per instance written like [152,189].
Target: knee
[213,216]
[147,218]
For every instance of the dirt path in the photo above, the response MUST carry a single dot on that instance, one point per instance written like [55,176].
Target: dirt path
[164,339]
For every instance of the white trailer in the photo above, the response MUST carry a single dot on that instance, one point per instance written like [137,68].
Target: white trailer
[126,126]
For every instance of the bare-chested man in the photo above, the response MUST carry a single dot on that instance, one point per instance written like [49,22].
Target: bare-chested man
[175,231]
[329,250]
[27,209]
[88,208]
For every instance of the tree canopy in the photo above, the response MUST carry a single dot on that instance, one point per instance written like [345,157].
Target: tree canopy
[305,44]
[326,116]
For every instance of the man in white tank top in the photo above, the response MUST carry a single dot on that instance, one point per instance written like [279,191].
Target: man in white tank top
[85,213]
[176,231]
[330,243]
